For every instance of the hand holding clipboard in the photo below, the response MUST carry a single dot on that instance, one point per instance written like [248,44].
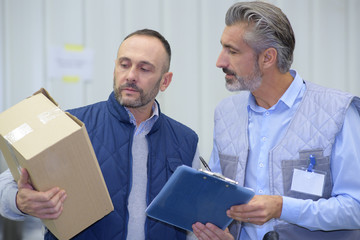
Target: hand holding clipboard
[192,196]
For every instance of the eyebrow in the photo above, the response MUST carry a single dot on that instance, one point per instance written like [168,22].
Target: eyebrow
[141,62]
[229,46]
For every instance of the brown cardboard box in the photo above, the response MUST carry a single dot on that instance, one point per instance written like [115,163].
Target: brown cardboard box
[55,149]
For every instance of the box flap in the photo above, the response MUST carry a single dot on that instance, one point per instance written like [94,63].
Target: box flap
[32,129]
[46,94]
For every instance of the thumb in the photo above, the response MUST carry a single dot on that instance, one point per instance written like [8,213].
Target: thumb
[24,181]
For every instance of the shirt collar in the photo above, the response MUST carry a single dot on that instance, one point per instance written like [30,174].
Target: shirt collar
[294,89]
[288,98]
[153,117]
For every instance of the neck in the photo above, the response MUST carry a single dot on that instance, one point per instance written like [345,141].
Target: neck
[273,86]
[141,114]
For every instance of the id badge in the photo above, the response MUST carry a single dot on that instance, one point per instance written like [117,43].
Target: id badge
[307,182]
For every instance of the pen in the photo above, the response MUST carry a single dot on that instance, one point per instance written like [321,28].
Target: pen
[205,164]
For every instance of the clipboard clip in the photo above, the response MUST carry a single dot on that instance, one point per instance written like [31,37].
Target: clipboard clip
[219,176]
[209,172]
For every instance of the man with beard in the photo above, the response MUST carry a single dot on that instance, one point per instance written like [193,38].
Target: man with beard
[137,146]
[295,143]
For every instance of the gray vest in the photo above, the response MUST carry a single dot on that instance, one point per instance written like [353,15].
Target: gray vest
[305,135]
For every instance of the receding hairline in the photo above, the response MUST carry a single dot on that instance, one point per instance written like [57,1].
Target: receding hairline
[159,36]
[166,65]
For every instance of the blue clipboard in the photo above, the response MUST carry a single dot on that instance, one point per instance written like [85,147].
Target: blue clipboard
[192,196]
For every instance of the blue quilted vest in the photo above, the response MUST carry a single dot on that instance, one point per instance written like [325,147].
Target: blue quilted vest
[171,144]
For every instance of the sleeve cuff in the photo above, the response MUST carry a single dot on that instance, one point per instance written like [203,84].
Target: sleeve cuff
[12,205]
[291,209]
[11,211]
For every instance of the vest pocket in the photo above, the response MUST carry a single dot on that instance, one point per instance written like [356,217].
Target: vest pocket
[322,164]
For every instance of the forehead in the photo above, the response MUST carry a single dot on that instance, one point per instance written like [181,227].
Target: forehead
[233,35]
[142,48]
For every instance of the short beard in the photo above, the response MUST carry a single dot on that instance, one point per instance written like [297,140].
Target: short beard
[143,99]
[247,83]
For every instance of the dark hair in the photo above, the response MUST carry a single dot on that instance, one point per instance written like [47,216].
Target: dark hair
[268,27]
[153,33]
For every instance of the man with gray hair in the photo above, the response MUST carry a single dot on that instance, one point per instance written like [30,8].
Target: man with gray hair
[295,143]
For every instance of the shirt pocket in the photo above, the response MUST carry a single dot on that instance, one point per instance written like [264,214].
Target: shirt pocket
[322,165]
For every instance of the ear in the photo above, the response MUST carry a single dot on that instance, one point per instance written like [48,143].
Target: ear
[165,81]
[268,57]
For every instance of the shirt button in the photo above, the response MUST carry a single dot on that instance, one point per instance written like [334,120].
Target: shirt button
[261,165]
[261,191]
[267,113]
[263,139]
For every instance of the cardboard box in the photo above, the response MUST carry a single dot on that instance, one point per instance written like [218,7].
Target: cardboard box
[55,149]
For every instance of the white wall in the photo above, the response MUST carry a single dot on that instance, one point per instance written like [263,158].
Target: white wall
[2,85]
[327,37]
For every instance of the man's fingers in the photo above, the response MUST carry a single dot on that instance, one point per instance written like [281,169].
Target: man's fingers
[45,205]
[24,179]
[258,211]
[36,196]
[201,231]
[210,231]
[52,195]
[51,198]
[51,212]
[53,215]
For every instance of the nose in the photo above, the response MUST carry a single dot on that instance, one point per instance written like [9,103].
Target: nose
[131,75]
[222,61]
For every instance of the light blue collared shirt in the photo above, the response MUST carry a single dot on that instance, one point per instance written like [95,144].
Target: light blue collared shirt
[146,125]
[264,133]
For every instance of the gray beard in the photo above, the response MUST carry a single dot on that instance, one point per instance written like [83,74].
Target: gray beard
[247,83]
[243,84]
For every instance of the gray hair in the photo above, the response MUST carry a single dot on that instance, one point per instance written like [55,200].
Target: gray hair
[268,28]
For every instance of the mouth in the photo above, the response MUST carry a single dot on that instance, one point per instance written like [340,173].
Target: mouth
[129,90]
[229,73]
[229,76]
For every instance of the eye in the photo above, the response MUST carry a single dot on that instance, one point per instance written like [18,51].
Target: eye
[232,52]
[229,50]
[145,69]
[124,65]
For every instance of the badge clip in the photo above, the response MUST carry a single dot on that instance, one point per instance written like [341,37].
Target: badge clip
[312,163]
